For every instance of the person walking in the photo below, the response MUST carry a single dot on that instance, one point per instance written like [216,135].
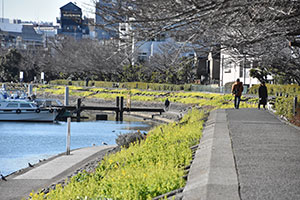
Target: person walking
[167,104]
[263,95]
[236,90]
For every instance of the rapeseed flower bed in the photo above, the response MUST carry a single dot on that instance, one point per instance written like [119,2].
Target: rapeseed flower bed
[195,98]
[145,170]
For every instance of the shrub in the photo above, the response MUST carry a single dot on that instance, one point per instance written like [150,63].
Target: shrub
[124,140]
[128,85]
[277,89]
[284,106]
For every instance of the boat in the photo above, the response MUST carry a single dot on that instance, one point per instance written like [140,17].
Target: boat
[16,107]
[25,110]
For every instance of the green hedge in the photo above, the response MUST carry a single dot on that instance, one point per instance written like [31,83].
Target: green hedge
[128,85]
[285,102]
[284,106]
[277,89]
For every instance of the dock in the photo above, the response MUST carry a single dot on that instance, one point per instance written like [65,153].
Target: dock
[119,109]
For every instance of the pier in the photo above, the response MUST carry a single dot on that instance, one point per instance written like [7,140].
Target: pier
[119,109]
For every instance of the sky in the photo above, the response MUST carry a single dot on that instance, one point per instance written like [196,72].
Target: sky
[40,10]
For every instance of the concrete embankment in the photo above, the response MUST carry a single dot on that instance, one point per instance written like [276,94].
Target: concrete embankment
[50,172]
[212,174]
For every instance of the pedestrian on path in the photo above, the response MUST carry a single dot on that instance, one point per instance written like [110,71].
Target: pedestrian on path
[263,95]
[236,90]
[167,104]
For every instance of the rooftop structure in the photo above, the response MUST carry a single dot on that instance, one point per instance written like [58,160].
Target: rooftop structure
[19,36]
[71,22]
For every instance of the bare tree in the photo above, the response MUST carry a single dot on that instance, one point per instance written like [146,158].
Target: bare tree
[86,57]
[230,22]
[253,28]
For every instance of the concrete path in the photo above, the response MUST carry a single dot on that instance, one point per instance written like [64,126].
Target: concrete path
[58,168]
[267,154]
[245,154]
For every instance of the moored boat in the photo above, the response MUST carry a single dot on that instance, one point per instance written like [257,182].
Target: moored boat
[25,110]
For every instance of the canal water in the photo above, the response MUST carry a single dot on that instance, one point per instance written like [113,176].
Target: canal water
[23,143]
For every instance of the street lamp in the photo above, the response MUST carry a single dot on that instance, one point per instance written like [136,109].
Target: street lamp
[244,69]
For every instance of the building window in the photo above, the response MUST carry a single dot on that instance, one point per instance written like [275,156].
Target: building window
[255,64]
[241,69]
[142,57]
[228,70]
[123,27]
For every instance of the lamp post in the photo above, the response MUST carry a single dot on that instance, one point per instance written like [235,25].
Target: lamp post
[244,69]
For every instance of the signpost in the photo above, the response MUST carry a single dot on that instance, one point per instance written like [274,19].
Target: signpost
[21,76]
[42,77]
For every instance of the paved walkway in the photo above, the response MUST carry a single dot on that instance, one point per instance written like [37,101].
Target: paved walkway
[43,175]
[246,154]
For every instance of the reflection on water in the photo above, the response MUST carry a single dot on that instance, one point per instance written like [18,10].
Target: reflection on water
[21,143]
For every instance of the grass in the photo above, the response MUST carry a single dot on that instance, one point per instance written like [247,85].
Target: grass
[194,98]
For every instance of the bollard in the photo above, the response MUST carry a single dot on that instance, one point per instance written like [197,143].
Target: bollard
[66,96]
[295,105]
[118,109]
[121,108]
[78,108]
[30,88]
[68,136]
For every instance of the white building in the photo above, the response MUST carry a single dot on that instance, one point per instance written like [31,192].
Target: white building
[147,49]
[234,67]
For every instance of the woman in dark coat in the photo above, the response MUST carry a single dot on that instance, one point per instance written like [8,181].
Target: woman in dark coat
[263,95]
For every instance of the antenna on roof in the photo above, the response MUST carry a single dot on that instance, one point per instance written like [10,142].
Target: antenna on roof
[2,11]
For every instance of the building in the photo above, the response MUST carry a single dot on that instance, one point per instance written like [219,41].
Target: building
[48,31]
[71,22]
[102,30]
[213,66]
[234,67]
[19,36]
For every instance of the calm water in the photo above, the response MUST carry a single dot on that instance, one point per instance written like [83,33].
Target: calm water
[21,143]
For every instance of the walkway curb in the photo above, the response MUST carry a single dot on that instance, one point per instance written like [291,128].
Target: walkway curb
[213,174]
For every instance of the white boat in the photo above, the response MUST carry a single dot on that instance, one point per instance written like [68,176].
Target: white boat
[25,110]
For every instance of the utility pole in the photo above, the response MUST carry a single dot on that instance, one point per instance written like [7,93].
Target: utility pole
[244,69]
[2,11]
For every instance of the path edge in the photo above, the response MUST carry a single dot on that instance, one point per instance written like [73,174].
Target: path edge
[213,173]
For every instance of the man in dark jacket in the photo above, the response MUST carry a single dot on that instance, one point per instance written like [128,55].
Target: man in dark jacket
[167,104]
[263,95]
[236,90]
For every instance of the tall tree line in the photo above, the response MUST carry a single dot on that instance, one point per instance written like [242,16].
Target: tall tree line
[67,58]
